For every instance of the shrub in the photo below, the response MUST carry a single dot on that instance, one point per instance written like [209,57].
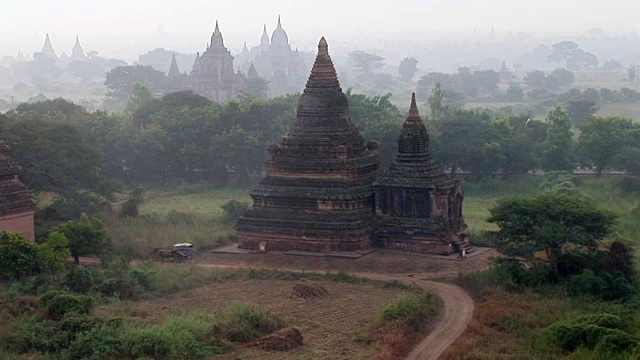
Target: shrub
[59,303]
[121,288]
[79,280]
[629,184]
[104,341]
[604,286]
[233,209]
[17,255]
[415,311]
[243,322]
[601,331]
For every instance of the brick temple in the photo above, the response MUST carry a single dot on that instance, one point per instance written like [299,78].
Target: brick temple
[318,193]
[418,206]
[16,205]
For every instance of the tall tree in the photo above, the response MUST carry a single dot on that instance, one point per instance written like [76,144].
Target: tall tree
[574,57]
[602,139]
[581,110]
[436,103]
[550,223]
[364,62]
[86,236]
[140,96]
[121,81]
[557,152]
[408,68]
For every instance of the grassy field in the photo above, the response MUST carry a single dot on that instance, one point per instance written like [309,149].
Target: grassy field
[629,110]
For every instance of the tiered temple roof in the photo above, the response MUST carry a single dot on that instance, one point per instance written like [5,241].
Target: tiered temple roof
[14,197]
[414,166]
[317,194]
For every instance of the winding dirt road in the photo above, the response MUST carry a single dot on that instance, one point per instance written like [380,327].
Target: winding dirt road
[456,315]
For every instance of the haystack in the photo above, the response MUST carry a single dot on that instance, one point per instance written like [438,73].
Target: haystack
[307,290]
[285,339]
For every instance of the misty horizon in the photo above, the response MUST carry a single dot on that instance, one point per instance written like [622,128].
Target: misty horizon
[397,26]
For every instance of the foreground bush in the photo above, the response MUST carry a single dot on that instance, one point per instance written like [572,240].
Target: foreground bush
[244,322]
[601,332]
[414,311]
[59,303]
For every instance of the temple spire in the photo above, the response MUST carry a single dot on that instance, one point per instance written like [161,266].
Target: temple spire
[77,53]
[217,28]
[173,70]
[279,23]
[216,38]
[414,115]
[323,73]
[47,49]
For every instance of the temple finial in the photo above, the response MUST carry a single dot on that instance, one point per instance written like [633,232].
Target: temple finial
[323,47]
[217,28]
[279,23]
[264,29]
[413,110]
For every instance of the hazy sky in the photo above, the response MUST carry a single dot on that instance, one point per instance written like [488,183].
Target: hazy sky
[121,21]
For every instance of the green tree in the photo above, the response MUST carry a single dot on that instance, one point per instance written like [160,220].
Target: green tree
[632,73]
[52,255]
[17,255]
[121,81]
[436,103]
[557,153]
[408,68]
[86,236]
[602,139]
[560,78]
[581,110]
[140,96]
[535,79]
[514,94]
[550,223]
[364,62]
[574,57]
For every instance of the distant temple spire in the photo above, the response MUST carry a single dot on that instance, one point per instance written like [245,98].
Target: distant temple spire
[77,54]
[279,23]
[252,73]
[47,49]
[160,28]
[264,41]
[173,70]
[216,38]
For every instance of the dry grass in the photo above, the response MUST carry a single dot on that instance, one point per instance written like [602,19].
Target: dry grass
[503,326]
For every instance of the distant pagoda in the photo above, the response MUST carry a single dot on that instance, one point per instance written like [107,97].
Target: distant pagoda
[47,48]
[418,206]
[16,205]
[77,54]
[317,194]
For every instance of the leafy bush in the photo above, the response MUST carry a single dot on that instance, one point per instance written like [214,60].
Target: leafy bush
[603,286]
[599,331]
[79,280]
[243,322]
[59,303]
[629,184]
[233,209]
[72,207]
[17,255]
[414,311]
[121,288]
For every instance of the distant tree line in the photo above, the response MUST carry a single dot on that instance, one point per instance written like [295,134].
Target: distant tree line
[82,156]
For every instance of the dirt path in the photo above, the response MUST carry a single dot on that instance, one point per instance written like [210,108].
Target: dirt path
[456,315]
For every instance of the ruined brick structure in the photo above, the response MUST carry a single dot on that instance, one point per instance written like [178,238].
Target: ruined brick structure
[16,205]
[418,206]
[317,194]
[323,191]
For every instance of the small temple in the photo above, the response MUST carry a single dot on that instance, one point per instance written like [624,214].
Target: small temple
[323,190]
[317,194]
[418,206]
[16,205]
